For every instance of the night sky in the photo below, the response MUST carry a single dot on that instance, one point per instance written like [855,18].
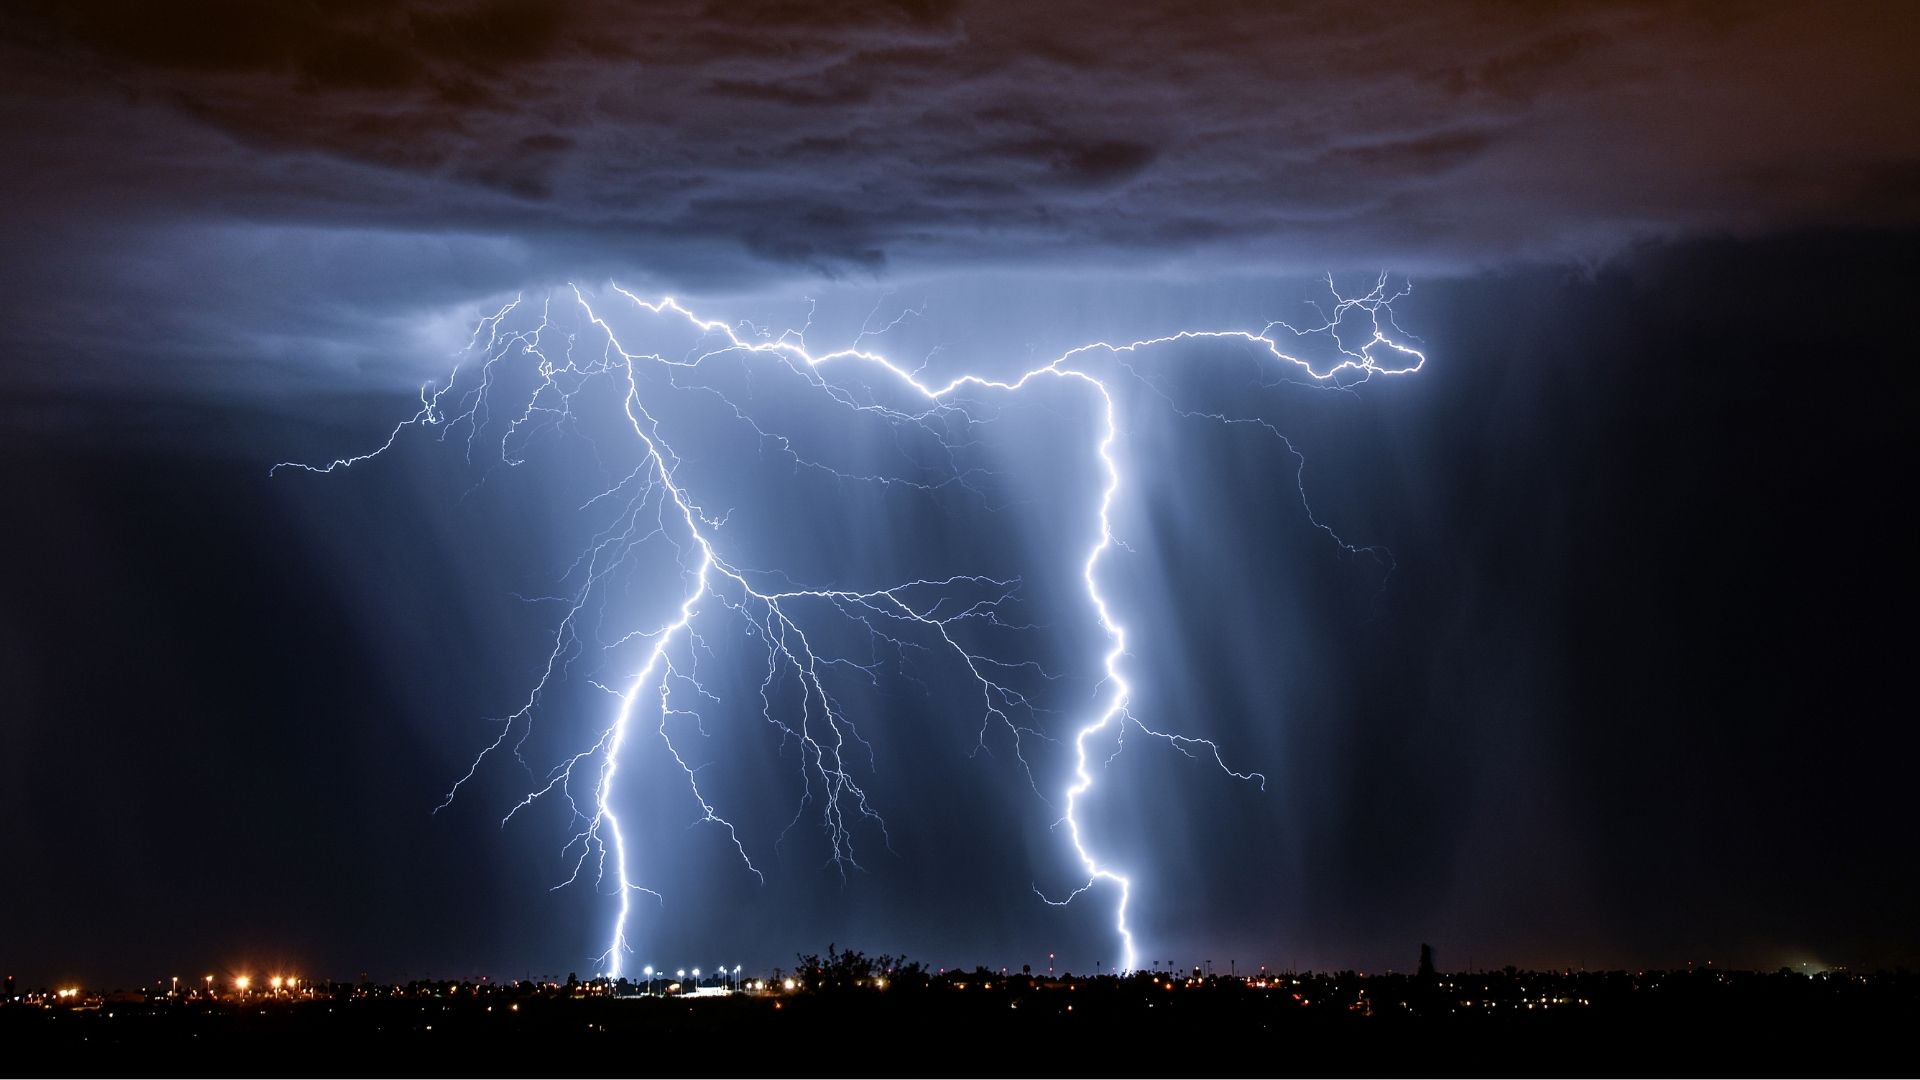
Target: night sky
[1631,688]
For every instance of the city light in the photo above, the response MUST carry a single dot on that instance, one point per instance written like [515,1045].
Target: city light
[1113,996]
[241,982]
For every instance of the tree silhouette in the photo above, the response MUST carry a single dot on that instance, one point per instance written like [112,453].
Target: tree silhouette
[852,970]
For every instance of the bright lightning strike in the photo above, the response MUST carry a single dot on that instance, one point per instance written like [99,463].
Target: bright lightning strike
[654,510]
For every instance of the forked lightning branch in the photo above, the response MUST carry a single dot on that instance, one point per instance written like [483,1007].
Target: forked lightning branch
[658,515]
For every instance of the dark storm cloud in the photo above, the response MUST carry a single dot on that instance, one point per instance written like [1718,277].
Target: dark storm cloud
[917,135]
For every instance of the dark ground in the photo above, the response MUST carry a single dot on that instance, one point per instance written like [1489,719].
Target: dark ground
[1703,1021]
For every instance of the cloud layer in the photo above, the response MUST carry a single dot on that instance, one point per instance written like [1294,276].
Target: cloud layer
[709,141]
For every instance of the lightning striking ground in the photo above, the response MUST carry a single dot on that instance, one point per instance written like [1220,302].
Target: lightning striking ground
[655,509]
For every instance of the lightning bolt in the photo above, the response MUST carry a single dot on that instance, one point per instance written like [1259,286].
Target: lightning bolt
[651,508]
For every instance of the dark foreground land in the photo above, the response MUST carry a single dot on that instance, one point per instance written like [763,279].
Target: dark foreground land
[1498,1023]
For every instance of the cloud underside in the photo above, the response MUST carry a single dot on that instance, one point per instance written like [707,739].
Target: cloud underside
[750,138]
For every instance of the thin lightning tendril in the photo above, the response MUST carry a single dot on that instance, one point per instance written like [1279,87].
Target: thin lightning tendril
[655,509]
